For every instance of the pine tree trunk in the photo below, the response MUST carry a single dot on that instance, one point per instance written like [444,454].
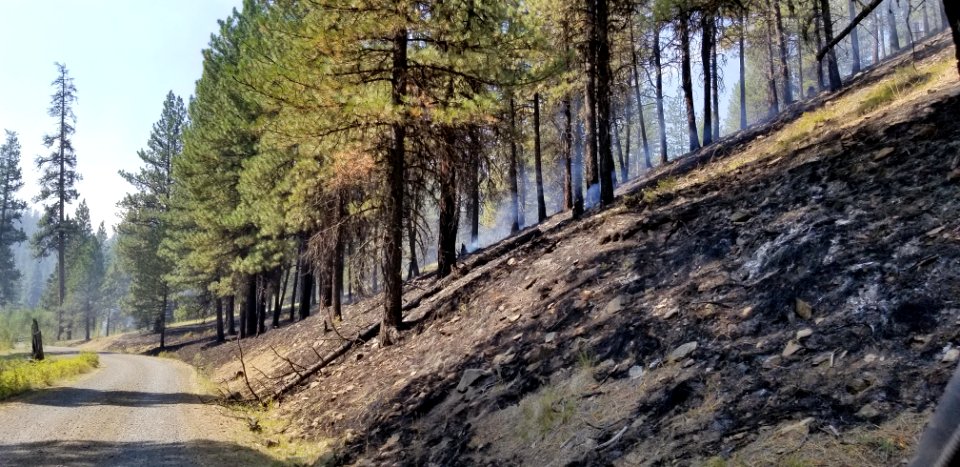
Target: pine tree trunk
[686,79]
[476,152]
[619,145]
[296,280]
[220,336]
[639,102]
[658,85]
[231,321]
[945,22]
[604,113]
[262,295]
[772,94]
[743,71]
[512,172]
[336,282]
[891,28]
[590,156]
[163,322]
[567,148]
[833,71]
[784,64]
[306,292]
[251,307]
[538,160]
[277,300]
[926,19]
[627,125]
[243,311]
[36,341]
[876,37]
[906,21]
[854,41]
[576,173]
[706,24]
[817,26]
[413,267]
[393,207]
[715,79]
[283,289]
[448,213]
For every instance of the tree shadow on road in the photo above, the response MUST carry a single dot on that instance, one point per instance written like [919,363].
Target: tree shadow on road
[99,453]
[81,397]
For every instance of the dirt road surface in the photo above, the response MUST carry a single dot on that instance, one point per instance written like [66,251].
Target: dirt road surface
[133,410]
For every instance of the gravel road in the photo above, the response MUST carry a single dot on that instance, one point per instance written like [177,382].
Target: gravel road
[134,410]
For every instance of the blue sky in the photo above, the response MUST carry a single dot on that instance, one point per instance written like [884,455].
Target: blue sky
[124,55]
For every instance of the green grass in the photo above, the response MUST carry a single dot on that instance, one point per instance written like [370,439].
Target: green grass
[19,375]
[892,88]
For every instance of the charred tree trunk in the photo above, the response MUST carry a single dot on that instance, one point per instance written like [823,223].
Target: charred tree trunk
[590,156]
[604,91]
[686,78]
[36,341]
[619,145]
[262,296]
[894,37]
[639,102]
[512,172]
[743,71]
[476,150]
[306,292]
[854,41]
[413,267]
[448,212]
[538,160]
[817,26]
[715,79]
[706,25]
[658,85]
[336,282]
[231,320]
[576,173]
[393,208]
[833,71]
[296,281]
[784,64]
[220,335]
[567,150]
[249,313]
[277,300]
[772,94]
[906,21]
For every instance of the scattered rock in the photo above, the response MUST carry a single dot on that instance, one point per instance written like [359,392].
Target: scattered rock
[823,358]
[858,385]
[951,355]
[271,443]
[514,318]
[549,337]
[802,426]
[791,348]
[739,216]
[954,175]
[935,232]
[469,378]
[883,153]
[868,412]
[772,362]
[803,309]
[681,352]
[511,261]
[804,333]
[615,305]
[636,372]
[870,358]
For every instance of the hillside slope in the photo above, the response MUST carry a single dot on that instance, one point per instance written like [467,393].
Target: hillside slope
[792,298]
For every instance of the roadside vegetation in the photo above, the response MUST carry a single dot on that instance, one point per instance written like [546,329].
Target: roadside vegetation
[19,374]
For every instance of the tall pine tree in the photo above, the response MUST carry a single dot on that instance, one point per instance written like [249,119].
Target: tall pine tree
[11,210]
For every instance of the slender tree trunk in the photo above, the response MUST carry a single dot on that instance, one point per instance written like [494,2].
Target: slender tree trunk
[262,295]
[277,300]
[61,205]
[537,160]
[163,322]
[393,231]
[512,172]
[686,79]
[231,321]
[476,152]
[576,172]
[945,21]
[894,37]
[854,41]
[619,145]
[876,37]
[817,26]
[833,71]
[706,24]
[413,267]
[639,101]
[296,281]
[658,85]
[591,158]
[627,126]
[772,94]
[604,92]
[784,64]
[743,71]
[567,149]
[448,211]
[283,288]
[220,335]
[337,259]
[906,21]
[306,292]
[926,18]
[244,300]
[715,79]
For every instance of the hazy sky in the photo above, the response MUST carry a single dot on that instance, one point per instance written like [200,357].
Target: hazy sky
[124,56]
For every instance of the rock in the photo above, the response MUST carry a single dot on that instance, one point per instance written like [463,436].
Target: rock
[801,426]
[689,362]
[681,352]
[954,175]
[271,443]
[935,232]
[868,412]
[614,305]
[803,309]
[951,355]
[883,153]
[636,372]
[772,362]
[804,333]
[514,318]
[469,378]
[739,216]
[823,358]
[870,358]
[671,313]
[791,348]
[603,370]
[549,337]
[511,261]
[858,385]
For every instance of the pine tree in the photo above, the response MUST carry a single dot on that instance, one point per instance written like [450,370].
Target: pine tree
[145,218]
[85,264]
[11,211]
[58,178]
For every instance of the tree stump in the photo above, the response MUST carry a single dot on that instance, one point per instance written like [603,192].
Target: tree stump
[37,341]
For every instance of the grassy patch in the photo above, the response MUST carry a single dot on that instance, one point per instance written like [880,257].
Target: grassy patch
[665,185]
[544,411]
[19,375]
[892,89]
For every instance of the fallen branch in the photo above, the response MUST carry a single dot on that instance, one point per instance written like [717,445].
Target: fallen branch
[867,9]
[612,441]
[246,379]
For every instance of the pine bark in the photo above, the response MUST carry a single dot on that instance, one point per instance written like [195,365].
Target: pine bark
[538,160]
[448,211]
[512,172]
[706,25]
[219,310]
[686,79]
[604,111]
[854,41]
[743,71]
[658,88]
[639,101]
[395,168]
[952,13]
[833,71]
[784,64]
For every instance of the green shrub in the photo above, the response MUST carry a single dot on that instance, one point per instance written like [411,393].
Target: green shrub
[19,375]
